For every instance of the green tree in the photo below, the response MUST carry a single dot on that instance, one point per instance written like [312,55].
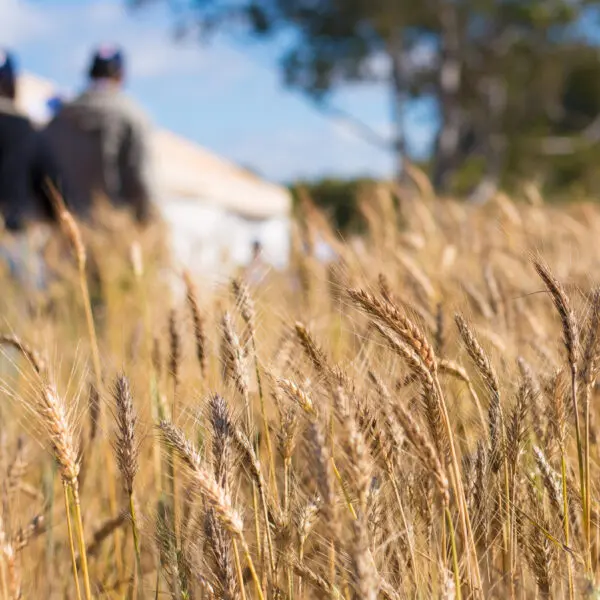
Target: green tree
[510,77]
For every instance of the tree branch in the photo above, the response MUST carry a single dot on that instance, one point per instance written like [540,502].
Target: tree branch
[563,145]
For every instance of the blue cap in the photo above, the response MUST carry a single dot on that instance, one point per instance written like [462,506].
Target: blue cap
[107,61]
[7,66]
[54,104]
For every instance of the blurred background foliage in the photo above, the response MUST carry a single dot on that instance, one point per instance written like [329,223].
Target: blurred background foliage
[515,83]
[338,198]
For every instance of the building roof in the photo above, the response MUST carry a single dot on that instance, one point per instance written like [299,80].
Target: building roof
[186,171]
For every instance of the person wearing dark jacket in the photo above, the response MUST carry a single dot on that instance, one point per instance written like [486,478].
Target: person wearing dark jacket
[25,160]
[26,166]
[102,142]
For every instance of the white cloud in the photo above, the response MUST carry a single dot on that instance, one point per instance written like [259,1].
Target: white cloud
[71,31]
[307,153]
[21,22]
[105,12]
[151,52]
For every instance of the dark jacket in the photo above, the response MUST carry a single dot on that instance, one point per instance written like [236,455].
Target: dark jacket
[102,143]
[25,165]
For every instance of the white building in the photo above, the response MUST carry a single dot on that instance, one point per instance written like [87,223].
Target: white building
[216,209]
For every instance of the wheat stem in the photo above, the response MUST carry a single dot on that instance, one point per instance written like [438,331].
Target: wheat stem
[89,318]
[460,491]
[238,569]
[255,578]
[563,464]
[332,567]
[581,463]
[347,498]
[136,539]
[409,537]
[263,413]
[81,539]
[71,543]
[455,567]
[588,492]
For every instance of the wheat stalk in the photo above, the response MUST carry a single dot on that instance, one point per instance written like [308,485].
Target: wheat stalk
[127,453]
[215,495]
[198,320]
[571,342]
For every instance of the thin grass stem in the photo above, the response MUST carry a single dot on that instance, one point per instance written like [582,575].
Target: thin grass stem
[71,543]
[81,539]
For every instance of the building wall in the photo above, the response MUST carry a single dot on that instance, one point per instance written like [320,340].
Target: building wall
[213,241]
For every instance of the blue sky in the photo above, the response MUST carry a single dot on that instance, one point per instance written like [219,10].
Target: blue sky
[224,95]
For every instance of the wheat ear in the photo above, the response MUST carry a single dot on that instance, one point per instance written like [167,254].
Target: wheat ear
[571,342]
[198,320]
[127,452]
[248,312]
[213,493]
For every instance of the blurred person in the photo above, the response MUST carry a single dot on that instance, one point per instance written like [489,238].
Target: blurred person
[25,166]
[257,251]
[257,269]
[102,142]
[41,110]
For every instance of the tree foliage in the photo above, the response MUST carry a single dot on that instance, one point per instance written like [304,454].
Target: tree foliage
[338,198]
[516,84]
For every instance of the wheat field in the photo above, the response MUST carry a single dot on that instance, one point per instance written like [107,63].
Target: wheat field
[416,419]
